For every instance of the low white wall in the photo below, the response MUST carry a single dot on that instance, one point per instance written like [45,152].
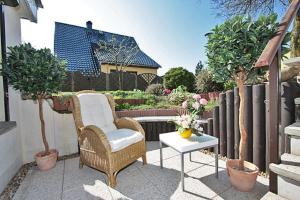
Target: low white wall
[60,128]
[10,156]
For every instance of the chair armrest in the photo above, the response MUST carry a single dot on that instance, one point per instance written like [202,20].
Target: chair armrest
[93,138]
[126,122]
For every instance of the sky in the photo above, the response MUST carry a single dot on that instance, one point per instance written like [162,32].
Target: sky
[172,32]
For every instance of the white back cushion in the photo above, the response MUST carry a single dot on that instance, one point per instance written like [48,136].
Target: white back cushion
[95,110]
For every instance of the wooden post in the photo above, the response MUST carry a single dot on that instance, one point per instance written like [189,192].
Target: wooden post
[259,126]
[210,129]
[230,123]
[248,122]
[267,105]
[107,81]
[236,122]
[223,135]
[216,124]
[274,89]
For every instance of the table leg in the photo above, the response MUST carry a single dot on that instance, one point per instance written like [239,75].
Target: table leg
[182,171]
[190,156]
[161,155]
[216,160]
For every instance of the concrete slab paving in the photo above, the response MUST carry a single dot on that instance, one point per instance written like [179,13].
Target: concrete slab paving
[137,181]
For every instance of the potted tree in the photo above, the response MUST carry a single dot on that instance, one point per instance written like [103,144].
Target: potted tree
[232,50]
[36,74]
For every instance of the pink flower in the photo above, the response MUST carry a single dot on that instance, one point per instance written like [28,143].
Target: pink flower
[196,105]
[185,104]
[203,101]
[167,91]
[197,97]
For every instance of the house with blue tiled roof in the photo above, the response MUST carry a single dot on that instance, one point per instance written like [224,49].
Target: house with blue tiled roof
[79,47]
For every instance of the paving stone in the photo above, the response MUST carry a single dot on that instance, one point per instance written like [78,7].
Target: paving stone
[194,189]
[257,193]
[88,192]
[206,175]
[130,181]
[75,177]
[40,185]
[137,181]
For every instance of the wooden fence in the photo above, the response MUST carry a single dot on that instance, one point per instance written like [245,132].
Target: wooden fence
[75,81]
[225,126]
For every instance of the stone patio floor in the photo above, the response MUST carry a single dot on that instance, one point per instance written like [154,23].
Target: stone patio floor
[67,181]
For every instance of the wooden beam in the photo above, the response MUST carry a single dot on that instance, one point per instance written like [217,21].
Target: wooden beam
[274,88]
[274,44]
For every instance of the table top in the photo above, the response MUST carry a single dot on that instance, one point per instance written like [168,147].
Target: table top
[174,140]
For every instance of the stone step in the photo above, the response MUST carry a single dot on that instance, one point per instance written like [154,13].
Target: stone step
[293,130]
[290,159]
[288,171]
[292,62]
[272,196]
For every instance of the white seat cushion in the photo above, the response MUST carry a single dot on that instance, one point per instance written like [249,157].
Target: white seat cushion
[121,138]
[95,110]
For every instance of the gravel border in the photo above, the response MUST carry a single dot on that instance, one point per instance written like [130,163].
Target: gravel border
[12,187]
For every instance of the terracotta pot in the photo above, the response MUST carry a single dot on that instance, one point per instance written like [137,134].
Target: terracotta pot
[46,162]
[60,107]
[242,180]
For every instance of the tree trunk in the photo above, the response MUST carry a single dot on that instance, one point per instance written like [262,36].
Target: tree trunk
[295,37]
[243,133]
[40,101]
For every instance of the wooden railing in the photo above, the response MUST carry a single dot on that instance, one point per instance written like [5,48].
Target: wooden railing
[271,56]
[274,44]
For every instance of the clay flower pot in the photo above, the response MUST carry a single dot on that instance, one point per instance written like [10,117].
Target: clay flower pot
[46,162]
[243,181]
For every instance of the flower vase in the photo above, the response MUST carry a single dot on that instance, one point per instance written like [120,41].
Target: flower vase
[186,133]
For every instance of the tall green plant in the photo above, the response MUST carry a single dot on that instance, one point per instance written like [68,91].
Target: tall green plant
[35,73]
[232,50]
[179,76]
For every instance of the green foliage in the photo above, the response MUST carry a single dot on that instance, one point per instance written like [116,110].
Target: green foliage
[199,67]
[179,76]
[235,46]
[34,72]
[211,104]
[205,82]
[229,85]
[121,94]
[156,89]
[180,89]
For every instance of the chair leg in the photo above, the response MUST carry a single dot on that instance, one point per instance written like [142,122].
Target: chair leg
[112,179]
[80,163]
[144,158]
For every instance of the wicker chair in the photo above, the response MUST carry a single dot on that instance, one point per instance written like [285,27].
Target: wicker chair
[107,143]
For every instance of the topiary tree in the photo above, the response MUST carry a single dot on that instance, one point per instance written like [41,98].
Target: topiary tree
[179,76]
[232,50]
[206,83]
[35,73]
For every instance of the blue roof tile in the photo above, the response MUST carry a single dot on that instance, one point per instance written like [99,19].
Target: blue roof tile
[76,45]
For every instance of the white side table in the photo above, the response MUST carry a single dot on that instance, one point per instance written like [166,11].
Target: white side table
[183,146]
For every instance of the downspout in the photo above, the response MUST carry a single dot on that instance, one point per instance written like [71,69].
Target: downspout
[3,54]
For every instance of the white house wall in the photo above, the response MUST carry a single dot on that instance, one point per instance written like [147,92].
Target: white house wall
[60,128]
[13,37]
